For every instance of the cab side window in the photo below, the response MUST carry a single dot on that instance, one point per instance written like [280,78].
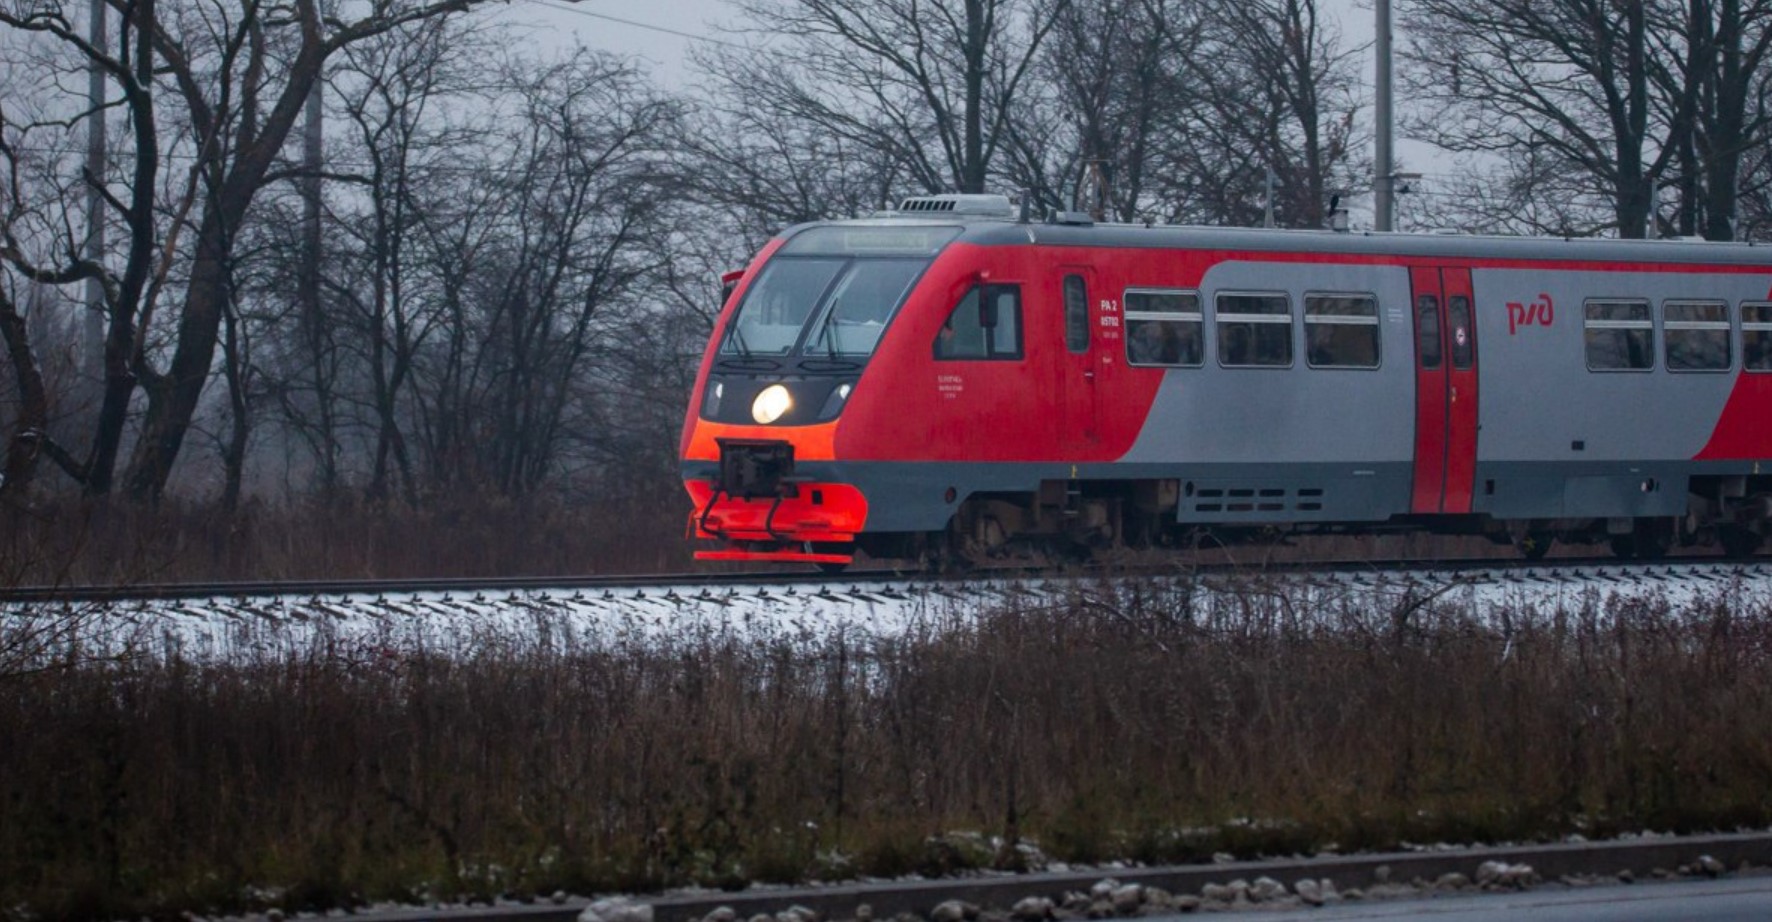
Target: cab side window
[1076,314]
[985,324]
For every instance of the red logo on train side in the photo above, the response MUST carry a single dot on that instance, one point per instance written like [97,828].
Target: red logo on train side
[1539,313]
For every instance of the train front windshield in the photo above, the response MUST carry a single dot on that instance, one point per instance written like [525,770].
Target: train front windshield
[831,291]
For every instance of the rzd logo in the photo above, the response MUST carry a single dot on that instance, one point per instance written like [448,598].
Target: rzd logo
[1539,313]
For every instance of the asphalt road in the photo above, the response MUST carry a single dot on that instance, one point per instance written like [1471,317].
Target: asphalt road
[1744,899]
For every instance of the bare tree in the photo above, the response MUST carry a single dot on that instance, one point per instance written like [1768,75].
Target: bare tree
[1114,72]
[1571,80]
[38,240]
[392,90]
[929,85]
[240,78]
[562,224]
[1710,70]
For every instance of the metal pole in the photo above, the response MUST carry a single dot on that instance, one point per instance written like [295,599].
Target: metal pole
[1268,218]
[96,309]
[1382,198]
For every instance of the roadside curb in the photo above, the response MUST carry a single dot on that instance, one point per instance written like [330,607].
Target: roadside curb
[1640,857]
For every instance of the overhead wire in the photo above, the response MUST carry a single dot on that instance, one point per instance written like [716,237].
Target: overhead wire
[665,30]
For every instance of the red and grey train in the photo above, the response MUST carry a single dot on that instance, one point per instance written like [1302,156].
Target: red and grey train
[953,379]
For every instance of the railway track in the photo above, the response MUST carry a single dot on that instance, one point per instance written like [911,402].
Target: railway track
[1599,570]
[218,621]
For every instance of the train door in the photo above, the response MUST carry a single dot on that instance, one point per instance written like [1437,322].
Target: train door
[1076,371]
[1445,390]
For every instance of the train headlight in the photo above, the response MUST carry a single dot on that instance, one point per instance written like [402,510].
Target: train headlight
[834,403]
[771,404]
[711,406]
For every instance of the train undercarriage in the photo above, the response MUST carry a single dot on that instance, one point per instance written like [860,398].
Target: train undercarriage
[1069,522]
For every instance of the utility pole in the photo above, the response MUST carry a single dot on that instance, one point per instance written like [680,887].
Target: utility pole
[96,309]
[1267,218]
[308,283]
[1383,197]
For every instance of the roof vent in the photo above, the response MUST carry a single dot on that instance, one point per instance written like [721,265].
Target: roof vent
[994,206]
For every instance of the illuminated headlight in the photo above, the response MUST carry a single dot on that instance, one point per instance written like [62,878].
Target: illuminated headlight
[771,405]
[834,403]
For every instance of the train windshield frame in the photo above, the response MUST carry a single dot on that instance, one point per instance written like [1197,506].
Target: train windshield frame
[830,292]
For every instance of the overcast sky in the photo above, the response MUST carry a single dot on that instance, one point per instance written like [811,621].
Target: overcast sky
[661,32]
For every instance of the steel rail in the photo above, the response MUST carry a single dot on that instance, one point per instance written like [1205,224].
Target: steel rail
[1437,569]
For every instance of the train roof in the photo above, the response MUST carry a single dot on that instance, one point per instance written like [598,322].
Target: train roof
[999,226]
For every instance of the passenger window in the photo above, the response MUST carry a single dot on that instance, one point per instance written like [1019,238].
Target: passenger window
[1458,315]
[964,336]
[1254,330]
[1756,336]
[1695,335]
[1164,328]
[1427,331]
[1341,331]
[1620,336]
[1076,314]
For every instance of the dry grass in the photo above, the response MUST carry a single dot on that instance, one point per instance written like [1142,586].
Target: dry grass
[106,543]
[1131,723]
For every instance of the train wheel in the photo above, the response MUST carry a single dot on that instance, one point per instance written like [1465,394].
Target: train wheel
[1655,537]
[1738,541]
[944,554]
[1648,539]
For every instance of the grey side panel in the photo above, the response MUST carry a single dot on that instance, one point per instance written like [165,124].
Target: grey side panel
[1512,490]
[1297,414]
[1278,494]
[1541,403]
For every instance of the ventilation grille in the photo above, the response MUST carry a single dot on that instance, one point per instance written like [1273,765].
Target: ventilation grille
[994,206]
[926,204]
[1232,500]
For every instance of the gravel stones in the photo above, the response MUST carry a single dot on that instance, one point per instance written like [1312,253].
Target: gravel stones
[954,911]
[1501,875]
[1452,881]
[1267,890]
[1127,899]
[616,909]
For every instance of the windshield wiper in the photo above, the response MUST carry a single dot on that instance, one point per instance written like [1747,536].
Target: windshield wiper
[735,336]
[827,333]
